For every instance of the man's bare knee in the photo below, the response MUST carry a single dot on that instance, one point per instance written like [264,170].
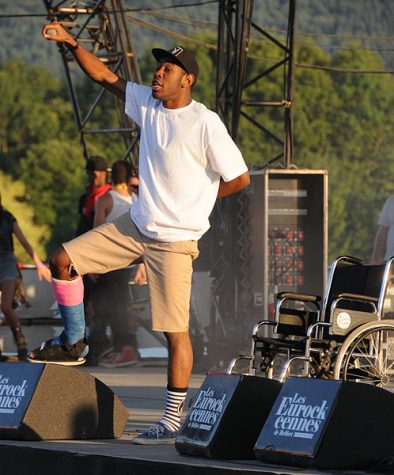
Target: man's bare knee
[59,264]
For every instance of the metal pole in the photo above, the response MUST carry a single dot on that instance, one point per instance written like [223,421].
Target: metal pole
[289,119]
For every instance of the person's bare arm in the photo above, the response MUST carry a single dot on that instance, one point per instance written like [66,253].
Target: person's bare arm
[88,62]
[380,244]
[227,188]
[102,209]
[42,271]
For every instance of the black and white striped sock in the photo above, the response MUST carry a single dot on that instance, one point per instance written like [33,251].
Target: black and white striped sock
[174,405]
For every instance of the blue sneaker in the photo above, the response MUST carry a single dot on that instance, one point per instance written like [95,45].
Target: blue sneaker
[158,434]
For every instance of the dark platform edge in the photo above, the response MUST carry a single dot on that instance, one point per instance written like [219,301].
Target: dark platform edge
[17,460]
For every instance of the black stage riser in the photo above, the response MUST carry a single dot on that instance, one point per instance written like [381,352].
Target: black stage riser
[341,425]
[53,402]
[226,417]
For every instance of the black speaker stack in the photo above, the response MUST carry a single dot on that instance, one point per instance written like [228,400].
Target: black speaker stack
[327,424]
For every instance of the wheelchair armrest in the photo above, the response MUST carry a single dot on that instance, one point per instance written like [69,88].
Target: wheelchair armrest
[235,360]
[355,297]
[366,300]
[316,325]
[257,326]
[299,297]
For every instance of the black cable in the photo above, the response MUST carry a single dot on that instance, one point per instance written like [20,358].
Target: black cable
[198,4]
[335,35]
[23,15]
[334,46]
[126,10]
[333,69]
[181,20]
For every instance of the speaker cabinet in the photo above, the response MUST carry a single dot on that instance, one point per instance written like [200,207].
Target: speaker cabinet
[226,417]
[287,235]
[328,424]
[47,401]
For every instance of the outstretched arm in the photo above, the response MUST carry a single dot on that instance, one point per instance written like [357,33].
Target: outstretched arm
[88,62]
[227,188]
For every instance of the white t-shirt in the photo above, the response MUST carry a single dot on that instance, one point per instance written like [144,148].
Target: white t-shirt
[183,154]
[387,219]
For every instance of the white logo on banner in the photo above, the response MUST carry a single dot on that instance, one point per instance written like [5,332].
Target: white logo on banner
[206,409]
[177,51]
[295,418]
[11,395]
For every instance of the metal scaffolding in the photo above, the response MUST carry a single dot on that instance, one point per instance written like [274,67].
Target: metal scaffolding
[234,28]
[231,266]
[101,26]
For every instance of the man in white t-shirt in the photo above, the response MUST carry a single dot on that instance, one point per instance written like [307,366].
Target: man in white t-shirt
[384,240]
[187,160]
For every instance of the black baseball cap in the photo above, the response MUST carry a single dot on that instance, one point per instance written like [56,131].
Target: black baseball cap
[180,56]
[96,164]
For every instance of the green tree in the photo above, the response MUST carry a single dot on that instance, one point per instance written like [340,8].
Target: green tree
[55,176]
[39,145]
[13,197]
[32,109]
[353,141]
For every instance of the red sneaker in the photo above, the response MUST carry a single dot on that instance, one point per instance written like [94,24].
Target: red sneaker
[127,357]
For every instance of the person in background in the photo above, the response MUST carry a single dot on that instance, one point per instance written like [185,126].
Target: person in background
[384,239]
[97,174]
[96,170]
[8,274]
[20,295]
[111,304]
[187,160]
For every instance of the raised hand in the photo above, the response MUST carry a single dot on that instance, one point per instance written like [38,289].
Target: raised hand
[54,31]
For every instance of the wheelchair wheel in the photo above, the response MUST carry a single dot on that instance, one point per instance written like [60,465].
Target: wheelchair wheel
[367,355]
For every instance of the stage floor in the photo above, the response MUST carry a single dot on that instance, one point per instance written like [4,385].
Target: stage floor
[142,389]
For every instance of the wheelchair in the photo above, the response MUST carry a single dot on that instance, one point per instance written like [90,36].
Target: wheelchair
[341,335]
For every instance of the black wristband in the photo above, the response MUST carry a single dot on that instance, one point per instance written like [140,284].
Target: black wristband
[72,48]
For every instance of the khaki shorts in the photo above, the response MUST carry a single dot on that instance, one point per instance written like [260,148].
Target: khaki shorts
[168,265]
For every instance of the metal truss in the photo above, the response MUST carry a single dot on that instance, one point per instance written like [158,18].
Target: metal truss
[101,27]
[231,235]
[234,28]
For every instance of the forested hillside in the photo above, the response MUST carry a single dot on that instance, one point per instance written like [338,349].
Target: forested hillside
[343,121]
[20,37]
